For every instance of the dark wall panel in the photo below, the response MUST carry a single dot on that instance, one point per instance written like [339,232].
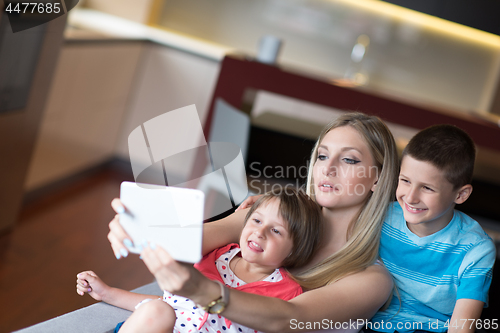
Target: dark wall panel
[20,119]
[480,14]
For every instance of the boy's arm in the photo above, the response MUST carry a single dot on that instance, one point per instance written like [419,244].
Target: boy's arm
[475,279]
[465,315]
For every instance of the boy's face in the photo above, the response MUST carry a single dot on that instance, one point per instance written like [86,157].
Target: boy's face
[426,196]
[265,239]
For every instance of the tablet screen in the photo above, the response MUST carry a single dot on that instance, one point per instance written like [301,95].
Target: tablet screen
[171,217]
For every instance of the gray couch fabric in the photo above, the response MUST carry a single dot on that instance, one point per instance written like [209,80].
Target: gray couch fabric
[96,318]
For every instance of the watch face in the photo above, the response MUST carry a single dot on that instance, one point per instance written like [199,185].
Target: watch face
[217,308]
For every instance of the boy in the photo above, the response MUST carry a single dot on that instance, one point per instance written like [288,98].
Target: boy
[440,258]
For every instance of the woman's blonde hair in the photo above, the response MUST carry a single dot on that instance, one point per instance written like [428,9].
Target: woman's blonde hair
[363,237]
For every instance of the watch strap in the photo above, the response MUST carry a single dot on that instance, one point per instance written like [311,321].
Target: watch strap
[221,301]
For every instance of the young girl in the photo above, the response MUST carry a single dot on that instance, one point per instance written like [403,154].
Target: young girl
[282,229]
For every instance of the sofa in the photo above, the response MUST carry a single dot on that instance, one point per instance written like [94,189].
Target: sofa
[96,318]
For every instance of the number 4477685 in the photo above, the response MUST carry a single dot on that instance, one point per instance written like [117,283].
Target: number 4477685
[473,323]
[36,7]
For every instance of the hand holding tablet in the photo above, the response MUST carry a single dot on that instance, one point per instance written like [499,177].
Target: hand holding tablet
[170,217]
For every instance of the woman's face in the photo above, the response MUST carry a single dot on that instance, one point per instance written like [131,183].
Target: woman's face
[344,172]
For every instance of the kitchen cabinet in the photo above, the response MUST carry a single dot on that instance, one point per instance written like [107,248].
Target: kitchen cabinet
[87,101]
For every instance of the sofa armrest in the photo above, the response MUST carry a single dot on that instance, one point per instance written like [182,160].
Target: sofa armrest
[96,318]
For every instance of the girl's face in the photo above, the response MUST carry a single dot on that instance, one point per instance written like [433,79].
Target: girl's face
[345,172]
[265,239]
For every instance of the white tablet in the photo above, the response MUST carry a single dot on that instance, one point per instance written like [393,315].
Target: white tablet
[171,217]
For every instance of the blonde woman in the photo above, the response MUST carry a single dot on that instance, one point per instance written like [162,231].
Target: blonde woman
[353,177]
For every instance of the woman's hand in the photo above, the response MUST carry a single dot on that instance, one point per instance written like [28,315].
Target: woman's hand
[89,282]
[179,278]
[117,236]
[248,202]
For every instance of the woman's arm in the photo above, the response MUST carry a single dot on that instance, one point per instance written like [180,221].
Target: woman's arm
[215,234]
[224,231]
[248,202]
[354,297]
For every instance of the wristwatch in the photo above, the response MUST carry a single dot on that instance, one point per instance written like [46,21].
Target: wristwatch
[218,305]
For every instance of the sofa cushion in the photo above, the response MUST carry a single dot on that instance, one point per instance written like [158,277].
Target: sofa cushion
[96,318]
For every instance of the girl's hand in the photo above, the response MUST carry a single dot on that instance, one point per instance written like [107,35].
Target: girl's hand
[117,236]
[179,278]
[89,282]
[248,202]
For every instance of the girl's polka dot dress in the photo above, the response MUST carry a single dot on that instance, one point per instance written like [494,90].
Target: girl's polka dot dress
[190,318]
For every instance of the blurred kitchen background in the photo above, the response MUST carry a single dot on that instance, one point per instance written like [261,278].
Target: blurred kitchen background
[119,63]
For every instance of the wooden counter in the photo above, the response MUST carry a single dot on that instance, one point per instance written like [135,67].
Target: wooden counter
[238,74]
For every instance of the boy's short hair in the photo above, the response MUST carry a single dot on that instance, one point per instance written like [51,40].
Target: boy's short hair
[448,148]
[303,219]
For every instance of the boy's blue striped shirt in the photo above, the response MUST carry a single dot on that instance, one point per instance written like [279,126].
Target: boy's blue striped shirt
[433,272]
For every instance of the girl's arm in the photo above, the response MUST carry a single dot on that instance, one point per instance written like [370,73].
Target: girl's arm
[215,234]
[354,297]
[89,282]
